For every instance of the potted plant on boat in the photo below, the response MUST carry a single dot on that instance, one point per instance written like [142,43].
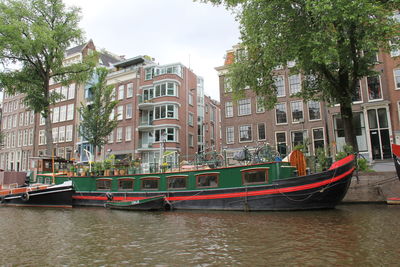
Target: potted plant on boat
[122,170]
[107,164]
[98,168]
[72,170]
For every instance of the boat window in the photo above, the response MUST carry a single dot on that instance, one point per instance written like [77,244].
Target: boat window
[207,180]
[149,183]
[177,182]
[255,176]
[103,184]
[125,184]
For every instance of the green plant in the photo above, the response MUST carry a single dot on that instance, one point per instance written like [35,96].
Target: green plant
[362,165]
[322,159]
[107,163]
[347,150]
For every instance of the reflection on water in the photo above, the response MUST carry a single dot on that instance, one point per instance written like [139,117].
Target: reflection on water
[348,235]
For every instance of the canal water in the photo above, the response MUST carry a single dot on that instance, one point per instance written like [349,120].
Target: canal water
[361,235]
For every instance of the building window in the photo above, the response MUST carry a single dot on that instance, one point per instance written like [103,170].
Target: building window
[279,82]
[165,134]
[71,91]
[103,184]
[128,133]
[128,111]
[297,111]
[245,133]
[15,120]
[191,99]
[119,134]
[42,137]
[281,114]
[191,140]
[207,180]
[149,183]
[121,90]
[314,110]
[125,184]
[70,112]
[396,78]
[255,176]
[165,112]
[190,119]
[260,106]
[68,133]
[281,144]
[228,109]
[61,134]
[120,113]
[318,138]
[230,135]
[298,138]
[227,85]
[177,182]
[359,128]
[56,114]
[374,88]
[244,106]
[148,74]
[165,89]
[294,84]
[55,134]
[129,90]
[261,131]
[63,113]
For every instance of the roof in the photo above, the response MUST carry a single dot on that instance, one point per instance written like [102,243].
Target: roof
[131,61]
[107,59]
[75,49]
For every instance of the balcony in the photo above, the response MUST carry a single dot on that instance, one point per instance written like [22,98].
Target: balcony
[145,103]
[145,125]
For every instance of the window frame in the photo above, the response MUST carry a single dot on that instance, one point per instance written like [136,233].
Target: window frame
[286,114]
[251,132]
[126,179]
[207,174]
[103,180]
[177,176]
[150,178]
[266,169]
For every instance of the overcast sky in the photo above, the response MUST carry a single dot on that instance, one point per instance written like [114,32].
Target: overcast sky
[168,30]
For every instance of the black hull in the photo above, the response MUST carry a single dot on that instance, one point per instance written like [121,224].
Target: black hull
[57,197]
[318,191]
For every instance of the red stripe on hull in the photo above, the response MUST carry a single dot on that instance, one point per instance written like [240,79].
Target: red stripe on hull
[264,192]
[105,198]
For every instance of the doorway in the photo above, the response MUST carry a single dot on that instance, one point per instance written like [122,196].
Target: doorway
[379,133]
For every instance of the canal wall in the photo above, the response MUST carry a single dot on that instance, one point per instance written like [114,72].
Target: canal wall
[373,187]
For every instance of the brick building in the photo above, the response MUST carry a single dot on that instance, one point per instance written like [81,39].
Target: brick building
[294,121]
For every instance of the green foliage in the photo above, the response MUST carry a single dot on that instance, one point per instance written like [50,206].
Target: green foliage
[96,124]
[322,160]
[362,165]
[34,36]
[333,42]
[107,164]
[347,150]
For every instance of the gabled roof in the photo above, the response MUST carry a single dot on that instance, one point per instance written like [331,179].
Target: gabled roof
[76,49]
[108,60]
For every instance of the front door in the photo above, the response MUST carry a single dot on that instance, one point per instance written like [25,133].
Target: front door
[379,133]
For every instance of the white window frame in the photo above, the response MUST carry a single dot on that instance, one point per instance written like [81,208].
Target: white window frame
[120,113]
[63,113]
[69,132]
[251,130]
[258,131]
[276,117]
[42,137]
[228,109]
[395,81]
[61,134]
[121,92]
[191,119]
[295,90]
[128,133]
[128,115]
[129,90]
[380,86]
[233,134]
[292,110]
[308,108]
[119,135]
[313,140]
[71,91]
[284,85]
[56,114]
[244,107]
[286,141]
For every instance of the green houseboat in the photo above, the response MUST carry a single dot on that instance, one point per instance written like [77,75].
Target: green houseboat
[266,186]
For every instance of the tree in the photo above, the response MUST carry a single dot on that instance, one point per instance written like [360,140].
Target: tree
[96,124]
[34,36]
[333,42]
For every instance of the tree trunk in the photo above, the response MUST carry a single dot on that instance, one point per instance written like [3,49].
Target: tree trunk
[49,136]
[347,119]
